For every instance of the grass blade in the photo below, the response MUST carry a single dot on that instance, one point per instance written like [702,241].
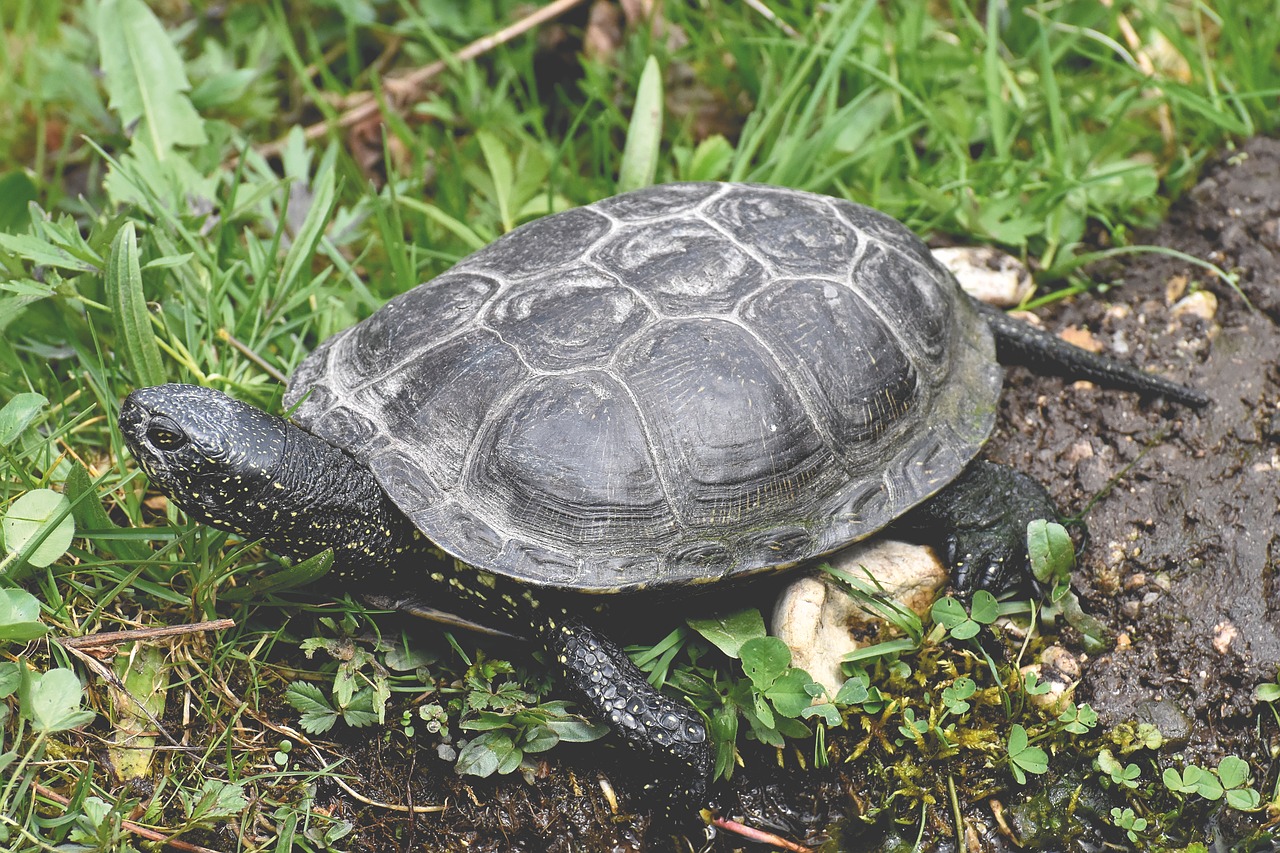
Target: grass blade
[303,249]
[644,136]
[501,172]
[129,309]
[991,76]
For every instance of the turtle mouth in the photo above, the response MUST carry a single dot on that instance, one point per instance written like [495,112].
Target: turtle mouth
[133,419]
[132,414]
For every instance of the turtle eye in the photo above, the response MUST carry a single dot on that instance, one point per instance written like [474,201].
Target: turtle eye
[163,438]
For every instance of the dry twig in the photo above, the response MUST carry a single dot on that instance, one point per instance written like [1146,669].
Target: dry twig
[772,18]
[135,635]
[244,350]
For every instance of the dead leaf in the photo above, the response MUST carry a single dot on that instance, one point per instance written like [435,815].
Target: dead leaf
[1082,338]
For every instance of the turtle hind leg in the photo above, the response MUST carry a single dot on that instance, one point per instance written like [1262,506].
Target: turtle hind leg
[1022,343]
[670,733]
[980,521]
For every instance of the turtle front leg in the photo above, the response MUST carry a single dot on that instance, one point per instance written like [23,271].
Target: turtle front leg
[981,521]
[616,691]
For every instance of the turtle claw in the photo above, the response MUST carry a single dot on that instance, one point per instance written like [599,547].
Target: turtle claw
[983,517]
[990,562]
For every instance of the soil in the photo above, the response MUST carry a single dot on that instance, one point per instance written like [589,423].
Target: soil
[1184,536]
[1182,510]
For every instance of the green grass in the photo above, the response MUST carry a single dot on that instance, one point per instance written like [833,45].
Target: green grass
[156,232]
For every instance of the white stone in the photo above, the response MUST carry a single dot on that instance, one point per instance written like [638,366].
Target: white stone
[821,622]
[1059,669]
[988,274]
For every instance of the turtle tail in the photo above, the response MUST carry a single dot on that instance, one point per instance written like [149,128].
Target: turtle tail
[1021,343]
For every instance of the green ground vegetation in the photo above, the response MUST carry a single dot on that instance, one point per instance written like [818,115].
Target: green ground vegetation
[163,217]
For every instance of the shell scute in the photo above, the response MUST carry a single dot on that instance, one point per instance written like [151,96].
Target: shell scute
[843,358]
[729,427]
[409,324]
[787,544]
[547,566]
[657,202]
[698,559]
[884,229]
[420,409]
[690,267]
[346,428]
[575,318]
[910,299]
[796,232]
[416,494]
[544,244]
[569,456]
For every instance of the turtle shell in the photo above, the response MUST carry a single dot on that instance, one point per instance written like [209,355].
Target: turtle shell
[674,385]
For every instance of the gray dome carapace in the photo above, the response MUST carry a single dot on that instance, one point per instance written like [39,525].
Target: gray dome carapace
[669,386]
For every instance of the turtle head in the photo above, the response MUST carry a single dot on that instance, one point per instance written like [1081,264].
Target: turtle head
[214,456]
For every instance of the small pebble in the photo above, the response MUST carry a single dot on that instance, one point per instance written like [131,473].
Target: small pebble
[1202,304]
[1115,553]
[1059,669]
[1077,452]
[1223,635]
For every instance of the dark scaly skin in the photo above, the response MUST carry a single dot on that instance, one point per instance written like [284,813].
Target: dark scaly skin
[257,475]
[979,523]
[242,470]
[606,681]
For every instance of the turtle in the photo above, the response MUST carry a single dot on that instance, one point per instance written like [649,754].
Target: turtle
[676,386]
